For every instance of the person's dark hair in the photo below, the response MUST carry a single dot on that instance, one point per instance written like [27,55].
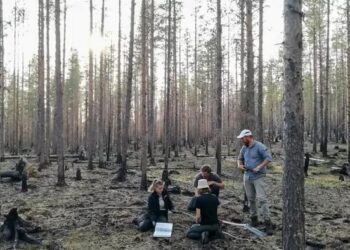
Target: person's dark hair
[206,168]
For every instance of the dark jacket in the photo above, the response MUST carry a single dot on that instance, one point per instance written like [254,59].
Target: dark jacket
[153,205]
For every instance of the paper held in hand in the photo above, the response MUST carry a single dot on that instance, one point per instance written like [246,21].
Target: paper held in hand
[163,230]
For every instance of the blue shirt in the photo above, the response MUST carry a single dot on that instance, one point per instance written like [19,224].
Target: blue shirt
[252,157]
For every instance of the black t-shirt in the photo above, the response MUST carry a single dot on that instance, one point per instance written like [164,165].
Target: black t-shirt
[208,204]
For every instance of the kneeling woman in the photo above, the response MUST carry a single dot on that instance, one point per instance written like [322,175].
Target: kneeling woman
[159,204]
[206,214]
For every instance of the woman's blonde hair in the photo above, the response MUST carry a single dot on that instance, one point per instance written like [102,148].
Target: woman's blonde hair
[155,183]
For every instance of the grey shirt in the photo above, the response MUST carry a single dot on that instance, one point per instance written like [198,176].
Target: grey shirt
[252,157]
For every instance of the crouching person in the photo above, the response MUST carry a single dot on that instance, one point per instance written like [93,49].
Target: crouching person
[214,181]
[159,204]
[207,223]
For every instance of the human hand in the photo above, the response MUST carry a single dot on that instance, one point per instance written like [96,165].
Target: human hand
[241,167]
[257,169]
[211,183]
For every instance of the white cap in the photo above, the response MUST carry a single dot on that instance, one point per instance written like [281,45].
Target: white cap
[202,183]
[244,133]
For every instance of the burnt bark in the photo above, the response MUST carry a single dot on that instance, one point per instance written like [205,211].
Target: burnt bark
[293,129]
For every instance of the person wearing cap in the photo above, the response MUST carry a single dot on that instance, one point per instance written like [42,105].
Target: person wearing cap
[207,222]
[253,160]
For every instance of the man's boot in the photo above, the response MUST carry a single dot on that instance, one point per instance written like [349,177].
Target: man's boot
[268,227]
[254,221]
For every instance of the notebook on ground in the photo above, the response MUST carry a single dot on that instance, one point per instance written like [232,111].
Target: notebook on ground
[163,230]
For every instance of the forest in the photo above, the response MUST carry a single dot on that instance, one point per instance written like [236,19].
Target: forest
[116,115]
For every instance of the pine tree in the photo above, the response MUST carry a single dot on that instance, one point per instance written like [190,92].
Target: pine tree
[293,139]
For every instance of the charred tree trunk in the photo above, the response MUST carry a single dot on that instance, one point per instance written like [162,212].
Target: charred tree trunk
[315,127]
[249,98]
[91,132]
[101,120]
[144,135]
[348,66]
[48,82]
[242,55]
[41,96]
[326,125]
[151,121]
[2,86]
[196,120]
[176,133]
[293,139]
[260,129]
[59,97]
[121,176]
[119,94]
[218,88]
[168,88]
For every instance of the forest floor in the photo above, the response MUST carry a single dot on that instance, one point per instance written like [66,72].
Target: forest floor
[94,214]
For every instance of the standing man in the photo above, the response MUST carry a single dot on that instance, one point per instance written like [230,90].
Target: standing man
[253,160]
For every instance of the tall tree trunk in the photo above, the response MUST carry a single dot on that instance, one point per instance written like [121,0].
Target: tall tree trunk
[121,176]
[196,127]
[315,127]
[14,135]
[41,96]
[2,86]
[101,112]
[91,133]
[48,82]
[293,139]
[320,55]
[167,112]
[21,123]
[119,89]
[242,55]
[249,98]
[325,135]
[151,121]
[59,97]
[228,131]
[175,84]
[348,66]
[218,88]
[64,70]
[260,129]
[144,134]
[343,126]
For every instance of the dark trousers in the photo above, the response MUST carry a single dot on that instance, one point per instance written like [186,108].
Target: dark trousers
[196,231]
[145,223]
[192,205]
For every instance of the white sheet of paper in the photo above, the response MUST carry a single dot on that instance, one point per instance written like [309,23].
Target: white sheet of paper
[163,230]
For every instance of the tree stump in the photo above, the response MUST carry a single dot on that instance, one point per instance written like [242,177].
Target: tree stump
[24,182]
[78,175]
